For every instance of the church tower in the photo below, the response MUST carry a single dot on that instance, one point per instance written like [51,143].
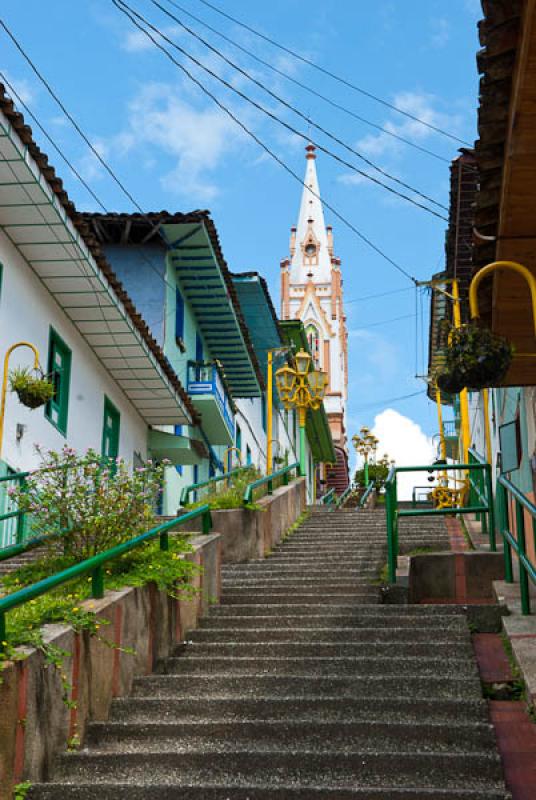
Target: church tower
[311,290]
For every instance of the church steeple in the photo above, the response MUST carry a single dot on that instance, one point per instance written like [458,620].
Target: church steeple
[311,290]
[310,256]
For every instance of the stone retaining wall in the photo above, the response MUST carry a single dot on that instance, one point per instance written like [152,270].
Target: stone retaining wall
[35,722]
[247,533]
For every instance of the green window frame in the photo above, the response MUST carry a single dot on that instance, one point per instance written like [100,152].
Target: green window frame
[111,426]
[59,369]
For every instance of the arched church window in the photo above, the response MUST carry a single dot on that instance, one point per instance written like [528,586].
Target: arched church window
[313,337]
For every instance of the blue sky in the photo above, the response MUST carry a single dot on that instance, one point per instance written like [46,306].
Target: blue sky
[174,150]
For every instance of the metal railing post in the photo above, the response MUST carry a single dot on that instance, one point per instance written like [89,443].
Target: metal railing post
[502,510]
[164,541]
[491,513]
[97,582]
[523,575]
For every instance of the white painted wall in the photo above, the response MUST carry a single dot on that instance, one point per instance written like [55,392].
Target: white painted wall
[27,311]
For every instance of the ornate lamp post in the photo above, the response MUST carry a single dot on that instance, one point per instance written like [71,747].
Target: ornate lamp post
[365,445]
[302,388]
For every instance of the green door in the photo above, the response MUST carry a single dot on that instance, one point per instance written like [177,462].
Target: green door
[110,430]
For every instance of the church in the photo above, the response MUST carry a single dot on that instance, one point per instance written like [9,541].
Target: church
[312,291]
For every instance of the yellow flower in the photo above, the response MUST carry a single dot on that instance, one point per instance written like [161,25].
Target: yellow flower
[76,609]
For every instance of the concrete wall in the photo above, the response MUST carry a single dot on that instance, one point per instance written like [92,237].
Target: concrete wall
[247,534]
[36,724]
[454,577]
[27,311]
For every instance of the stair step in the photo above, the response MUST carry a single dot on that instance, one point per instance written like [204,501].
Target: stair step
[325,650]
[328,665]
[307,708]
[225,685]
[259,736]
[281,603]
[336,636]
[281,769]
[347,620]
[161,791]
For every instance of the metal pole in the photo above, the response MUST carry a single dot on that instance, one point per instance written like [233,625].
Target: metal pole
[4,383]
[302,411]
[464,400]
[366,470]
[487,428]
[269,412]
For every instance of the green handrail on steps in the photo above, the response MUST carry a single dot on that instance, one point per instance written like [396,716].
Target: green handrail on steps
[342,497]
[393,513]
[187,490]
[95,566]
[506,492]
[366,494]
[267,480]
[328,498]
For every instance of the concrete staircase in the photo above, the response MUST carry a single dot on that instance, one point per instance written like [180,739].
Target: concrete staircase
[302,686]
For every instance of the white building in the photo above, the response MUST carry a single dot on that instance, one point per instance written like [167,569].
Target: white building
[58,293]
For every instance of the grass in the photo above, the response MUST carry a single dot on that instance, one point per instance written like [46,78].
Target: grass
[146,564]
[232,496]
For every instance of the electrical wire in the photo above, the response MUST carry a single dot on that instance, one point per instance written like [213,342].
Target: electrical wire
[306,88]
[295,110]
[390,401]
[122,6]
[384,322]
[45,133]
[336,77]
[380,294]
[53,143]
[265,147]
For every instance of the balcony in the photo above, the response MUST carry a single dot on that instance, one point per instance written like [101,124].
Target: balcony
[209,396]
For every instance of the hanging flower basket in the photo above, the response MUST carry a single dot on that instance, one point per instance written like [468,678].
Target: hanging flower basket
[33,388]
[480,356]
[450,381]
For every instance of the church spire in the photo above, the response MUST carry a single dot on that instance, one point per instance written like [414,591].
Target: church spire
[311,252]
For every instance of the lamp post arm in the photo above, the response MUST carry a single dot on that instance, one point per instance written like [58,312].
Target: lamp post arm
[13,347]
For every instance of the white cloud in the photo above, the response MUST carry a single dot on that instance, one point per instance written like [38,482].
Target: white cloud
[419,105]
[195,139]
[136,41]
[406,443]
[21,86]
[440,32]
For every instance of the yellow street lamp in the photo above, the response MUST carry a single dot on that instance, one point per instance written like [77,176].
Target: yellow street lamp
[301,388]
[365,445]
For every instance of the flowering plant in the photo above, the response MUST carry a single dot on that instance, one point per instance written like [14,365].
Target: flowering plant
[97,502]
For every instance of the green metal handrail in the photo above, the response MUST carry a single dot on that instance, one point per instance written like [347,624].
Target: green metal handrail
[366,494]
[193,487]
[95,566]
[393,513]
[328,498]
[478,487]
[19,515]
[347,492]
[267,481]
[518,542]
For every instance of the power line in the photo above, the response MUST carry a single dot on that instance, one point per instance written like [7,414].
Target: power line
[129,11]
[376,296]
[384,322]
[263,145]
[390,401]
[336,77]
[295,110]
[309,89]
[56,147]
[45,133]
